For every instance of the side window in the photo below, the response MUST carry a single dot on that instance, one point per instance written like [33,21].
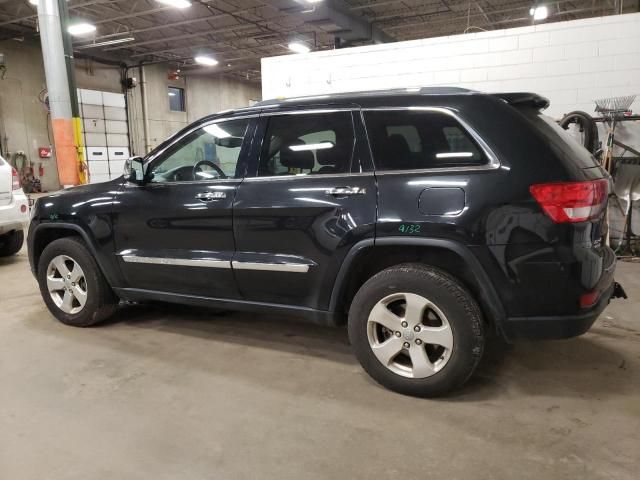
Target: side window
[416,140]
[307,144]
[209,153]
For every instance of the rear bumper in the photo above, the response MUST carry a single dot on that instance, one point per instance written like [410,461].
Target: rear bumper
[11,216]
[556,327]
[568,325]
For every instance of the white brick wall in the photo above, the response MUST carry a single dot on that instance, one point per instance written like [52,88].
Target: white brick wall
[571,63]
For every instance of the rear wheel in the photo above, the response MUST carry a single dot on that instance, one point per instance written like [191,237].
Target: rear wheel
[72,285]
[416,330]
[11,243]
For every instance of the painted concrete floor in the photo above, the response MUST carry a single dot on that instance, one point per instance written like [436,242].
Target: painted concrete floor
[176,393]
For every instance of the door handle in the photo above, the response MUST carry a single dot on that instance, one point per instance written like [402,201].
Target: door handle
[209,196]
[344,191]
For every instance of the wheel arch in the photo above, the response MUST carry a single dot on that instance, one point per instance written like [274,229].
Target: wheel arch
[370,256]
[45,233]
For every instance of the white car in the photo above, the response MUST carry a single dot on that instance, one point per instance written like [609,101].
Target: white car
[14,210]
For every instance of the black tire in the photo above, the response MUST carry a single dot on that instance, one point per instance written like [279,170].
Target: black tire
[101,302]
[454,301]
[587,126]
[11,243]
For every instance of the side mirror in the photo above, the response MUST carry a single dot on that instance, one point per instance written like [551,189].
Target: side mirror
[134,170]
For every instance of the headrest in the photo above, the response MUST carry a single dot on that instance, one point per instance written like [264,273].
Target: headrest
[329,156]
[302,159]
[398,144]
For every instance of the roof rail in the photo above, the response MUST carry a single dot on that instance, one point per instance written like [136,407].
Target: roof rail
[388,91]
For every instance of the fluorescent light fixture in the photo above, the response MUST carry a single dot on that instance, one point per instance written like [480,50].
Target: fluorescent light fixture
[82,28]
[299,47]
[105,43]
[539,12]
[172,94]
[206,60]
[176,3]
[217,131]
[313,1]
[311,146]
[454,155]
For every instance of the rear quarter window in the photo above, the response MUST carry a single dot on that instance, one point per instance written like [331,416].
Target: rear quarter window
[417,140]
[564,145]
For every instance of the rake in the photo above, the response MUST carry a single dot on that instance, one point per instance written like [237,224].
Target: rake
[614,105]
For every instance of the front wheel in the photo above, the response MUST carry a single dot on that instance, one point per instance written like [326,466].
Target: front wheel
[416,330]
[72,285]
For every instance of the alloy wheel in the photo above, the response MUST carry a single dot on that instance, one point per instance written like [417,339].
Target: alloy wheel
[410,335]
[67,284]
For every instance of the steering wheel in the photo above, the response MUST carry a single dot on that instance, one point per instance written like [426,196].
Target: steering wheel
[196,168]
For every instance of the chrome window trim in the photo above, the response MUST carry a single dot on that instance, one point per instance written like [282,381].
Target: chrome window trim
[305,176]
[272,267]
[493,162]
[309,112]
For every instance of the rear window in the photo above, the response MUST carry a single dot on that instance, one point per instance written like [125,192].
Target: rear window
[564,145]
[416,140]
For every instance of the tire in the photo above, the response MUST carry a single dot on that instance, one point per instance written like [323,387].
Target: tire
[99,300]
[587,126]
[11,243]
[452,318]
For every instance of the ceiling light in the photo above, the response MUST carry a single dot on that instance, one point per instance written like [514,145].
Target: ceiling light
[299,47]
[313,1]
[105,43]
[176,3]
[81,28]
[205,60]
[539,12]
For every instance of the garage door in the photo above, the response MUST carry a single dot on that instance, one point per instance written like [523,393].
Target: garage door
[106,133]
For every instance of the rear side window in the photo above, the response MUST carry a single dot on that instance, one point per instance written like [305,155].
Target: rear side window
[563,144]
[307,144]
[416,140]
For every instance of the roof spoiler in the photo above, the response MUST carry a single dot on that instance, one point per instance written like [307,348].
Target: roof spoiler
[524,99]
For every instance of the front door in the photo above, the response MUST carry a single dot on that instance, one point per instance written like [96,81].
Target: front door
[174,233]
[306,203]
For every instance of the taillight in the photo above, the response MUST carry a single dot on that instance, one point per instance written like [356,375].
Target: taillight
[15,179]
[570,202]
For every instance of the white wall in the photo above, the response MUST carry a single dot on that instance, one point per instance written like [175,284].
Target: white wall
[571,63]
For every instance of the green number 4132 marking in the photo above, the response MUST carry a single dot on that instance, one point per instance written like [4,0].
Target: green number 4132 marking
[410,228]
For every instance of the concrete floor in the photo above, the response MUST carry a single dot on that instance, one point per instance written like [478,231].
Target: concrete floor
[169,393]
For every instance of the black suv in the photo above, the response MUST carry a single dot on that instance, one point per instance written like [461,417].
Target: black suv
[426,220]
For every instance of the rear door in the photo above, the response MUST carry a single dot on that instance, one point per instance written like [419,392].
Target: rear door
[308,200]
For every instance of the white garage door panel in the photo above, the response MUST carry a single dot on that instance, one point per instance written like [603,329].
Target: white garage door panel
[115,126]
[115,113]
[117,140]
[116,167]
[99,178]
[91,97]
[95,139]
[98,167]
[92,111]
[113,99]
[118,153]
[94,125]
[97,153]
